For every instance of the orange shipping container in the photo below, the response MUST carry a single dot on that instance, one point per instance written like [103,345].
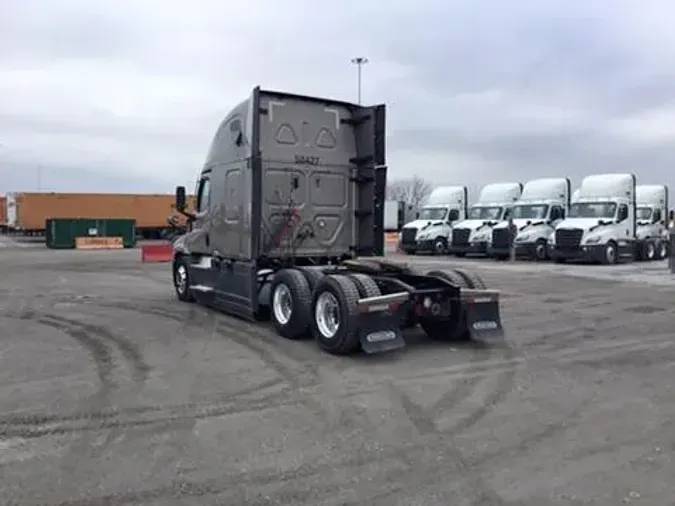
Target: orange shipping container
[3,207]
[29,211]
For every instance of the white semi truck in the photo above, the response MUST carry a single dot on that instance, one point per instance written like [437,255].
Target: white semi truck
[431,230]
[600,226]
[494,203]
[651,215]
[394,215]
[543,204]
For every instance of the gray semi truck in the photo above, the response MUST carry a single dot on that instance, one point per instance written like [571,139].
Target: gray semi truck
[289,227]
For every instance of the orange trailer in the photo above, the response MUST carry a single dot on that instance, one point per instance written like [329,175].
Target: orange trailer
[28,212]
[3,215]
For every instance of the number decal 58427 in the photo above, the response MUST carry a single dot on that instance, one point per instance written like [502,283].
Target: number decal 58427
[306,160]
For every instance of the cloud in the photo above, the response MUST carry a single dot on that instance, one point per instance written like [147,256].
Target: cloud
[113,95]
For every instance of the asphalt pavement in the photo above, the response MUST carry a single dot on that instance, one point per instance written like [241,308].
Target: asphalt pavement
[113,392]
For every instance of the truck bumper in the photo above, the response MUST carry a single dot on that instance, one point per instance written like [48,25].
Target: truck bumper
[475,248]
[409,249]
[594,253]
[523,250]
[428,246]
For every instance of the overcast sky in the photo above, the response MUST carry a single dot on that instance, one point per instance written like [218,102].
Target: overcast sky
[126,95]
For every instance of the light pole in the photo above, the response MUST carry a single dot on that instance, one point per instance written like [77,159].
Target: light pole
[359,61]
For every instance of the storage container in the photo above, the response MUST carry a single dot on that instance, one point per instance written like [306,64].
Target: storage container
[62,233]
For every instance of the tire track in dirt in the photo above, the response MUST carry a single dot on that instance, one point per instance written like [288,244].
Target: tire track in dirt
[425,420]
[108,415]
[130,352]
[297,374]
[296,368]
[158,417]
[100,354]
[425,423]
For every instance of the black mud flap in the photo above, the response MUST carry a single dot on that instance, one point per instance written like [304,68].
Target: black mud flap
[483,320]
[379,323]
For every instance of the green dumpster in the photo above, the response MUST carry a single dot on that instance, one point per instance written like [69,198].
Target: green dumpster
[89,233]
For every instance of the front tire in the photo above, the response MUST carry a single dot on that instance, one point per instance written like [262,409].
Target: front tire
[610,253]
[663,250]
[181,280]
[540,251]
[440,246]
[650,251]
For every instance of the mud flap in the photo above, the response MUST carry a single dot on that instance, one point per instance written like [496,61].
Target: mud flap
[379,323]
[483,320]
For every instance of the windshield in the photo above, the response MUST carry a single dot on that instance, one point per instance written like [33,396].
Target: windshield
[485,213]
[644,213]
[433,213]
[593,210]
[529,212]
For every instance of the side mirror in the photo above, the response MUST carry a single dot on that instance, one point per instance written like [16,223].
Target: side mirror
[453,215]
[181,199]
[417,215]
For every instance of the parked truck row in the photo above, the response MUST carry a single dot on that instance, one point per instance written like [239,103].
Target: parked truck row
[27,213]
[609,218]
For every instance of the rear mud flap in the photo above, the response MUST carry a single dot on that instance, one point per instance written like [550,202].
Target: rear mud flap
[483,320]
[379,325]
[380,332]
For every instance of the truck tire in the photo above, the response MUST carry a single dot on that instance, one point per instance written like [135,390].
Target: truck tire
[334,314]
[453,329]
[663,250]
[451,275]
[365,285]
[540,250]
[311,275]
[181,280]
[289,304]
[649,250]
[473,280]
[440,246]
[610,256]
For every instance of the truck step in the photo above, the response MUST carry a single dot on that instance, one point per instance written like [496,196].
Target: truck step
[202,288]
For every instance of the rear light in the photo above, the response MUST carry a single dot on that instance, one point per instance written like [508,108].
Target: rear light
[393,307]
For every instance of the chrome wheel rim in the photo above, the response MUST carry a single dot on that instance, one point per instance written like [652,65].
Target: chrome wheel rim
[650,251]
[540,251]
[181,279]
[663,251]
[282,304]
[327,315]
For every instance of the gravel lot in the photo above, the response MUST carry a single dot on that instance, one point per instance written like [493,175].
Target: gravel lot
[112,392]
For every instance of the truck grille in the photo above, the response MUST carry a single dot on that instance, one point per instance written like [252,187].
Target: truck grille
[568,239]
[408,235]
[500,238]
[460,237]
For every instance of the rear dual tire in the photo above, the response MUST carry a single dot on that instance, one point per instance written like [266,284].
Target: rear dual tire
[455,327]
[326,307]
